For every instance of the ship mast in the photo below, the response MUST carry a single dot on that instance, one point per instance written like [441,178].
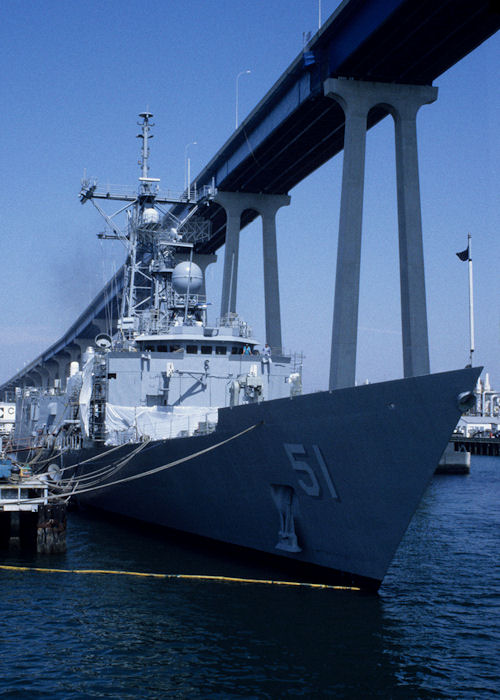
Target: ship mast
[146,198]
[146,116]
[152,239]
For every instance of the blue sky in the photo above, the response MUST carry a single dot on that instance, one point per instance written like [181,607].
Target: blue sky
[75,76]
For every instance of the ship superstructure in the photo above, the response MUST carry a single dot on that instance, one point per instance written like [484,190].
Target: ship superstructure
[164,372]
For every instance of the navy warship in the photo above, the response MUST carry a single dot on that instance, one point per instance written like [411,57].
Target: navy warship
[199,427]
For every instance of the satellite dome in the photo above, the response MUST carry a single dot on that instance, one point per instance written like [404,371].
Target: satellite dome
[187,275]
[150,216]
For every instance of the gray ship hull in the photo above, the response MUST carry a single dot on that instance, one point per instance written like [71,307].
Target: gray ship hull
[330,479]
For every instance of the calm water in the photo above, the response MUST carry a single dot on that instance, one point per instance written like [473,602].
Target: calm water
[432,632]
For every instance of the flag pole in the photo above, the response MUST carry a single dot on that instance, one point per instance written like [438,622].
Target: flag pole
[471,299]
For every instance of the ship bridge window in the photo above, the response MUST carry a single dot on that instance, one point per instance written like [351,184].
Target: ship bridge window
[175,348]
[192,349]
[236,350]
[162,348]
[220,349]
[206,349]
[149,348]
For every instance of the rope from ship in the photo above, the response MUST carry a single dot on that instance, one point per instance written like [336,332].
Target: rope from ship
[69,486]
[35,459]
[150,472]
[39,463]
[185,577]
[163,467]
[100,455]
[53,456]
[99,475]
[86,461]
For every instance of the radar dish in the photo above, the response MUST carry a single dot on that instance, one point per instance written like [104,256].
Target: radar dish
[103,341]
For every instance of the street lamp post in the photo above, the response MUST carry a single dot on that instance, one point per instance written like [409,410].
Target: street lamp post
[187,169]
[243,72]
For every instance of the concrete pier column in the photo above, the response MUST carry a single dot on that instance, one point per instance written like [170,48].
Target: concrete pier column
[35,377]
[52,367]
[232,205]
[230,279]
[268,210]
[44,375]
[83,344]
[411,250]
[266,205]
[63,360]
[356,103]
[357,98]
[74,351]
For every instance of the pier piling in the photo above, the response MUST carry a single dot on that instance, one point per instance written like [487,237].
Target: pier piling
[51,529]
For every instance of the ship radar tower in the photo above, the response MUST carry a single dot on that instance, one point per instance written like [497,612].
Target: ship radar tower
[160,279]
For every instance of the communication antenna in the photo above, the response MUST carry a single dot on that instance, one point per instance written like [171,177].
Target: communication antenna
[145,135]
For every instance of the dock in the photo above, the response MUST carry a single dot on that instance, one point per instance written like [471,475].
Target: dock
[28,516]
[480,445]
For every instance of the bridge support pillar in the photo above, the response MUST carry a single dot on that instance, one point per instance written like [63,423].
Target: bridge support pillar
[230,202]
[74,351]
[34,376]
[45,376]
[83,344]
[52,369]
[411,250]
[63,360]
[267,206]
[357,98]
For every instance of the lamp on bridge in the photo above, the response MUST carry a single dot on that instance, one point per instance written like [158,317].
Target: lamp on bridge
[243,72]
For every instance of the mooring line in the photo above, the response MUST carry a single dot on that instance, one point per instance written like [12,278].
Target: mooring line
[189,577]
[142,475]
[54,496]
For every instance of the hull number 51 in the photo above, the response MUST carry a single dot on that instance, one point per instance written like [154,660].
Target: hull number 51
[310,468]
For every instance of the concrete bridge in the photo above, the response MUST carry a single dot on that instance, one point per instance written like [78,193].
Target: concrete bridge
[371,59]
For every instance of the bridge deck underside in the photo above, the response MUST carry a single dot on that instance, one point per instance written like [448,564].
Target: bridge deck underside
[299,146]
[416,41]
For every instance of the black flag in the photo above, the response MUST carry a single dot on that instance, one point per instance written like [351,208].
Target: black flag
[464,255]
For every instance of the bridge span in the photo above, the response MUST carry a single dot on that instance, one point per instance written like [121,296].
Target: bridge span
[371,58]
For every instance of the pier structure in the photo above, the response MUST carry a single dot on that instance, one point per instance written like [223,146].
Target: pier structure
[29,516]
[357,99]
[266,206]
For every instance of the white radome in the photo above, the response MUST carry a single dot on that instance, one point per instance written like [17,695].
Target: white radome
[187,275]
[150,216]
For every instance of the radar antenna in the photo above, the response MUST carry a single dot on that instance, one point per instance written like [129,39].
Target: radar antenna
[151,300]
[145,135]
